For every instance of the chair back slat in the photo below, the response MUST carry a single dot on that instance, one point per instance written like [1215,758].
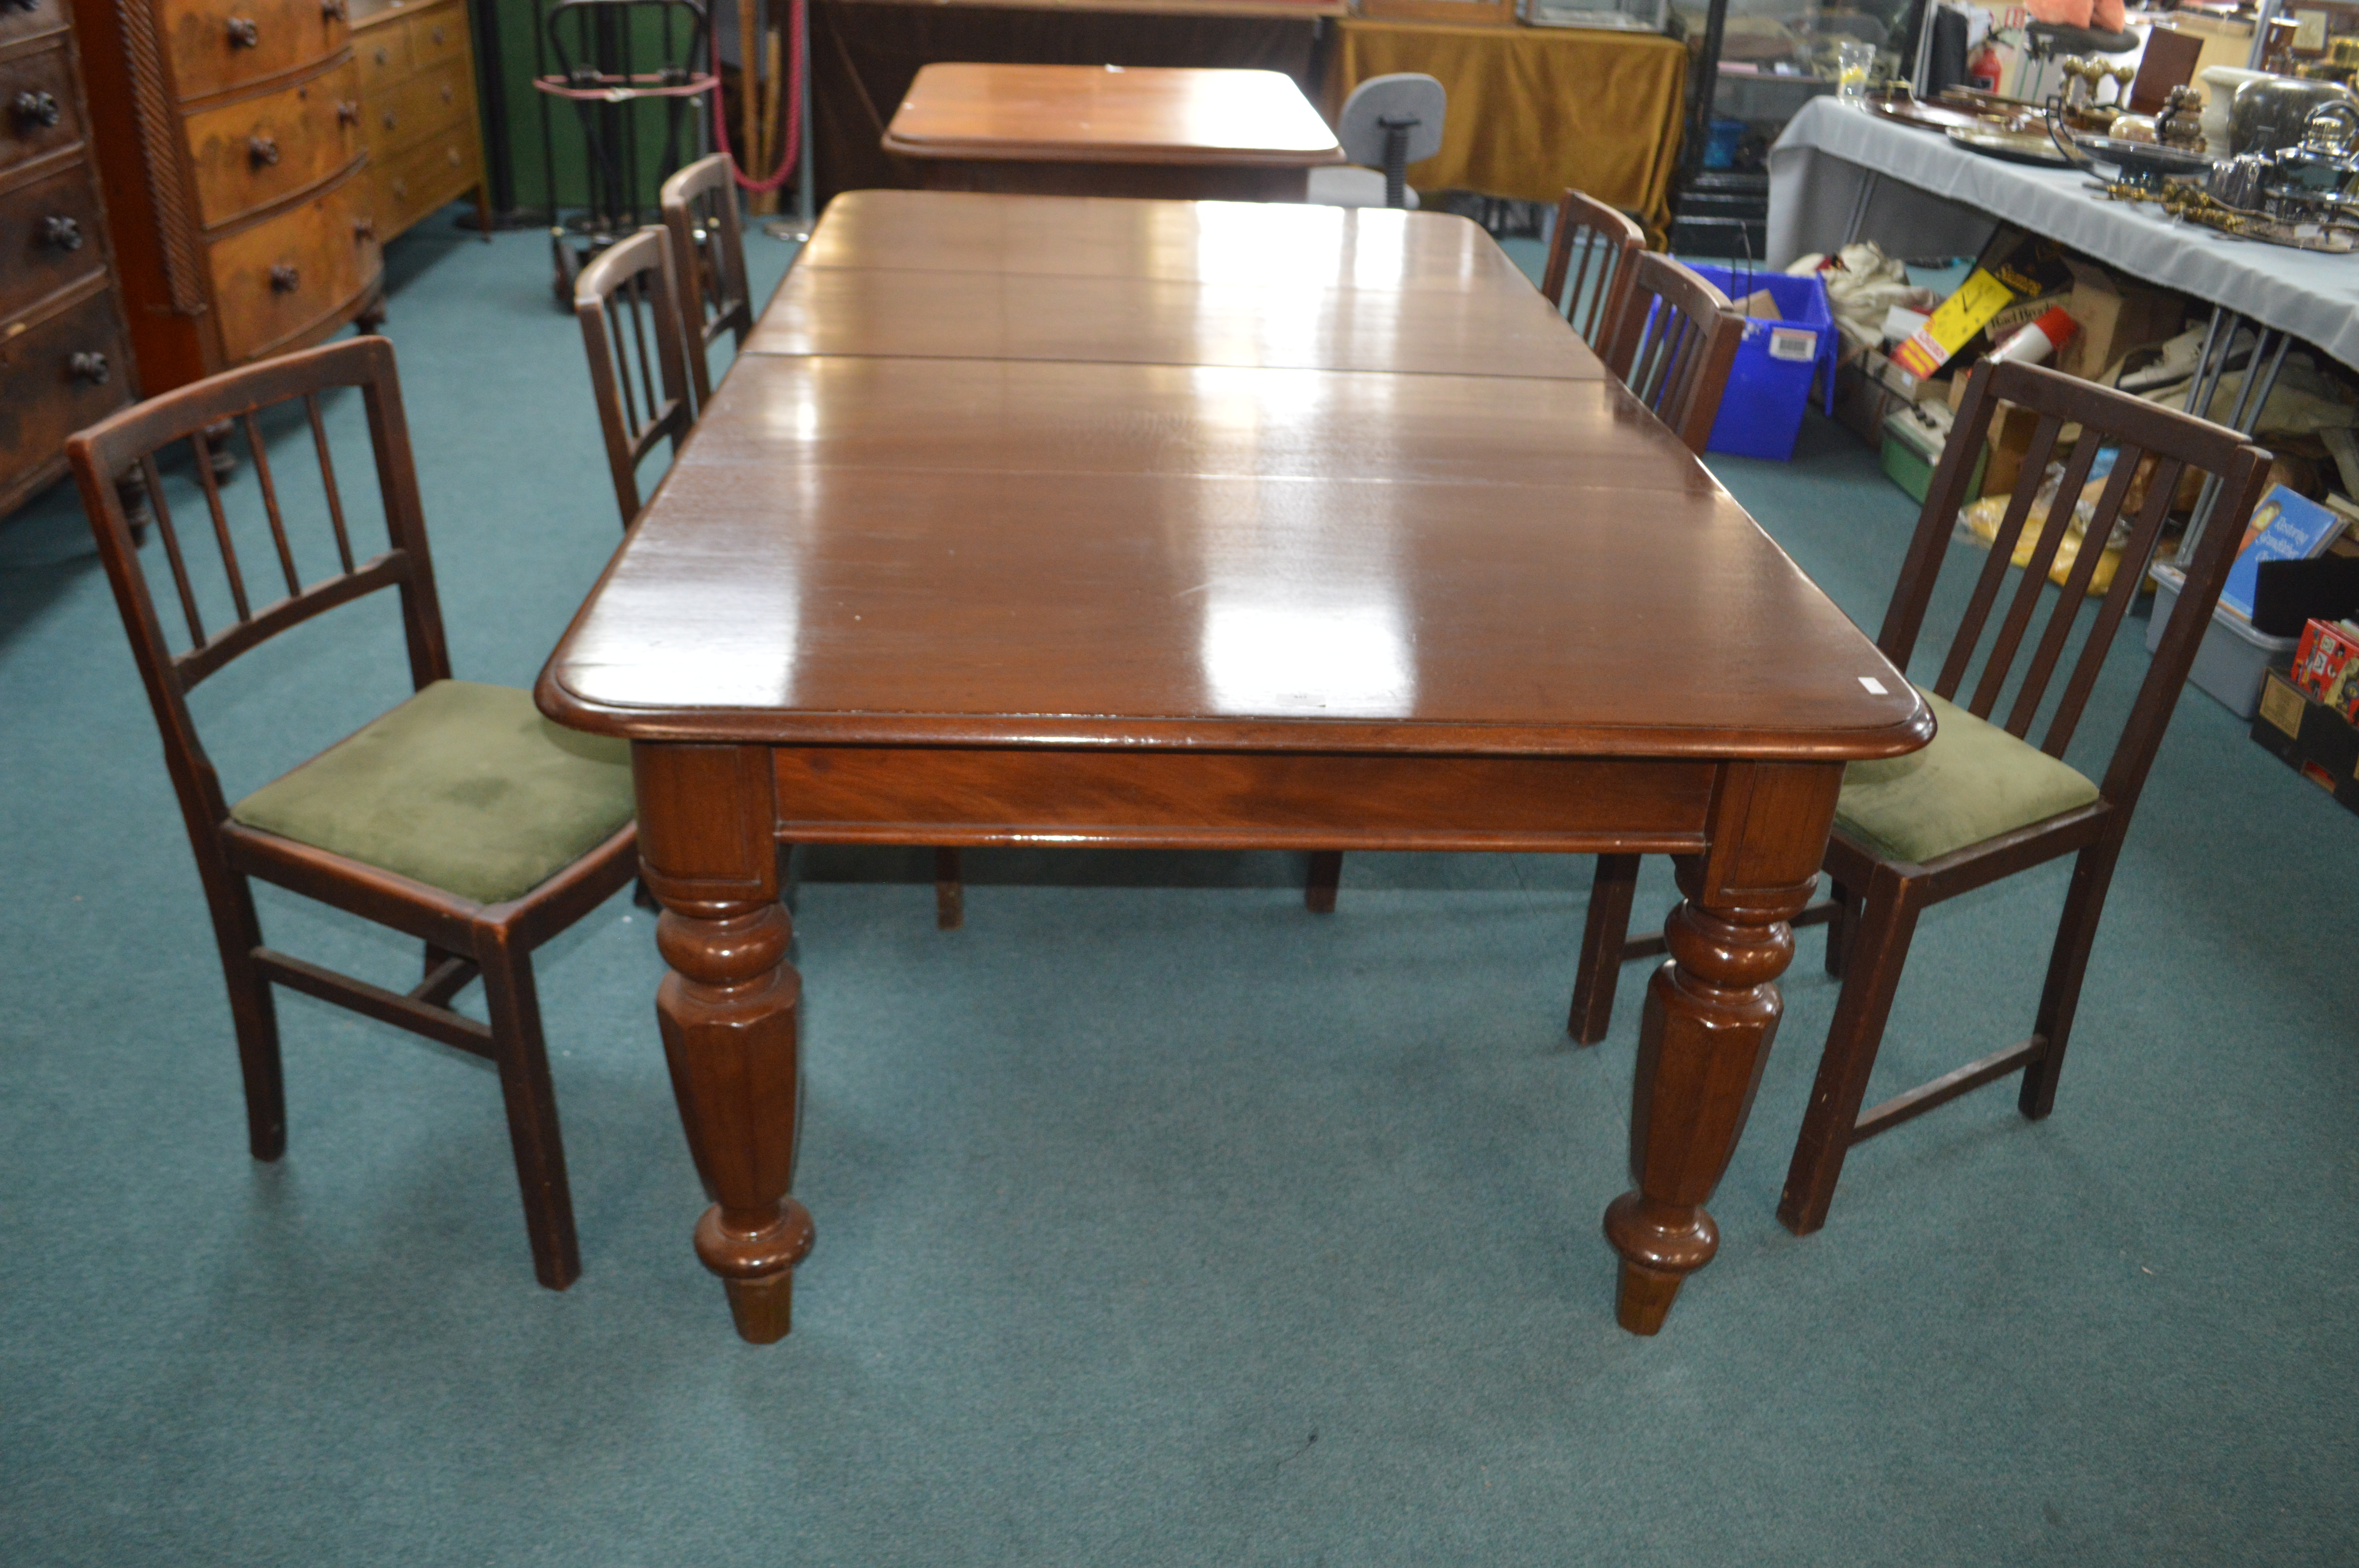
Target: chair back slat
[623,300]
[1673,343]
[2031,580]
[2066,609]
[328,480]
[260,451]
[2144,535]
[2164,442]
[2036,458]
[1601,240]
[162,510]
[203,448]
[130,440]
[707,252]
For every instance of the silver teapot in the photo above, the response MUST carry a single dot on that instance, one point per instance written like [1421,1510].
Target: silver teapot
[2311,182]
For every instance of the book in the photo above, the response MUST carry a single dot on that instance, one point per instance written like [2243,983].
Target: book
[2286,527]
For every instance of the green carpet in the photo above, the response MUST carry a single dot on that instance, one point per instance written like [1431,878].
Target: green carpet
[1160,1222]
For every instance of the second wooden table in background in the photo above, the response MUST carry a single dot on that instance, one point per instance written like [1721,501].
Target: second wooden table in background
[1083,130]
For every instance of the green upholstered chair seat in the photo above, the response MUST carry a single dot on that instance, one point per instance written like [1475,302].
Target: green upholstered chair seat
[465,787]
[1974,782]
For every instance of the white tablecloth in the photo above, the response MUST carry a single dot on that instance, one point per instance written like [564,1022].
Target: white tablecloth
[1936,197]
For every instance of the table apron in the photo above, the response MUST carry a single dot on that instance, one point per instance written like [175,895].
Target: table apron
[1237,800]
[1192,181]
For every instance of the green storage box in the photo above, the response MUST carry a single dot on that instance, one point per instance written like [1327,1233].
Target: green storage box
[1910,454]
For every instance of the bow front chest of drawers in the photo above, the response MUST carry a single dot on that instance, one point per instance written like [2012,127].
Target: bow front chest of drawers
[236,165]
[62,359]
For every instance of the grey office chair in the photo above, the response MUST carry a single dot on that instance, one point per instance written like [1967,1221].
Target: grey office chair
[1387,124]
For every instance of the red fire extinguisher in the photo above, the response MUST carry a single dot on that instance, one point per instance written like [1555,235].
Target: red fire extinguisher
[1982,70]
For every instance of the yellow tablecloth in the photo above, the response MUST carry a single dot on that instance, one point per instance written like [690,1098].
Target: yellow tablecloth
[1533,109]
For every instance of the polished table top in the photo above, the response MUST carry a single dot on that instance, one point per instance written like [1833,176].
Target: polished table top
[1337,546]
[1215,283]
[1090,114]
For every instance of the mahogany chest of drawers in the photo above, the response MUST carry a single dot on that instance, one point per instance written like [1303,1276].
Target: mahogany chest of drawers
[63,362]
[418,109]
[245,223]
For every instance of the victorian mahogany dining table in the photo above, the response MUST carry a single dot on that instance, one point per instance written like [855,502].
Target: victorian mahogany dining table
[1044,521]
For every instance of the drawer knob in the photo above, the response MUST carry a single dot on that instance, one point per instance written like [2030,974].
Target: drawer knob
[437,36]
[388,119]
[382,57]
[245,33]
[348,112]
[37,110]
[447,91]
[89,367]
[401,189]
[284,279]
[335,10]
[262,150]
[451,153]
[60,232]
[363,229]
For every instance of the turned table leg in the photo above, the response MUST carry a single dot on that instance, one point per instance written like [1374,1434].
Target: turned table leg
[1711,1012]
[727,1010]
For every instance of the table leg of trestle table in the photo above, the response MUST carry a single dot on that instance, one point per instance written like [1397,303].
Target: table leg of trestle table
[727,1010]
[1711,1012]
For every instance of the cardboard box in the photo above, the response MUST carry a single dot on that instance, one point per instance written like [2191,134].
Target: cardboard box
[2114,318]
[2010,443]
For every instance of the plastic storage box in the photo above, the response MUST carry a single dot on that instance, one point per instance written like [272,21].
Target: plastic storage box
[2233,657]
[1769,386]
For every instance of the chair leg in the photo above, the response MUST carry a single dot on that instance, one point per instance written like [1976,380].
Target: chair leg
[1879,947]
[1841,921]
[1319,887]
[1603,933]
[255,1013]
[949,892]
[523,1060]
[2092,874]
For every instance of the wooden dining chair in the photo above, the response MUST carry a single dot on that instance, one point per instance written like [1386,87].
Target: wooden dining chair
[1673,343]
[1981,802]
[707,263]
[1591,249]
[1671,339]
[627,301]
[461,817]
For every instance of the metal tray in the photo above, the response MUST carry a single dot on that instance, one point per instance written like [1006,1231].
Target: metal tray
[2014,146]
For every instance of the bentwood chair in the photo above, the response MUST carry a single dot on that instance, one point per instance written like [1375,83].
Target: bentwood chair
[1600,242]
[626,300]
[1672,342]
[462,817]
[707,263]
[1981,802]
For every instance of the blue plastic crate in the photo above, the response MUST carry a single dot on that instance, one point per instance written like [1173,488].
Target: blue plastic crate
[1769,387]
